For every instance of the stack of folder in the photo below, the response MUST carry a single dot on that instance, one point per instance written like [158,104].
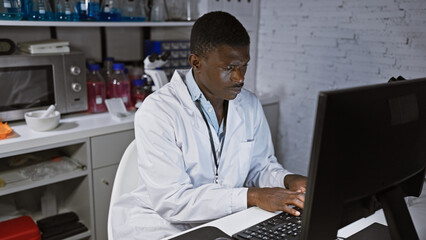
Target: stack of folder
[44,46]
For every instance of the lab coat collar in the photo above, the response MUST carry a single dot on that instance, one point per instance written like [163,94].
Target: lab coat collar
[235,110]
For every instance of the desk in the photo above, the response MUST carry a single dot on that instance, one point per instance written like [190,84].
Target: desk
[238,221]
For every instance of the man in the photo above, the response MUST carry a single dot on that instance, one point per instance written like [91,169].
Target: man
[204,145]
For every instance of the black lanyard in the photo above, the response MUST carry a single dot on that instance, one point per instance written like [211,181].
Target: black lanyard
[225,110]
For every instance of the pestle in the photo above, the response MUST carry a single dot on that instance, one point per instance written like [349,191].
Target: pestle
[48,111]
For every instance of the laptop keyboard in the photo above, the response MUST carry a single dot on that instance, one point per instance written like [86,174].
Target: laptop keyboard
[283,226]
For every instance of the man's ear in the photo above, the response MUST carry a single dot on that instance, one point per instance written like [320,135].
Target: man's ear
[194,61]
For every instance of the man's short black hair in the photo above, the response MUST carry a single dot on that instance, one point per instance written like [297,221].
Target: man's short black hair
[214,29]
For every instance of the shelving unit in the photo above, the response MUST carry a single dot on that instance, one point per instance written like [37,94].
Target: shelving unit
[95,141]
[103,42]
[93,24]
[26,184]
[71,189]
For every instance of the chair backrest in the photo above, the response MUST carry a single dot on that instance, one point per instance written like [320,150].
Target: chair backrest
[126,179]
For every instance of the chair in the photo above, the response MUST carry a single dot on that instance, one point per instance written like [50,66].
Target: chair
[126,179]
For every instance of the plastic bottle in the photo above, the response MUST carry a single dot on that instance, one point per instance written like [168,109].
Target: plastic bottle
[65,10]
[39,10]
[96,90]
[107,71]
[119,86]
[10,10]
[110,11]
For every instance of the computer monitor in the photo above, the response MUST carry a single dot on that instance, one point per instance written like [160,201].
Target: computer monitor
[368,152]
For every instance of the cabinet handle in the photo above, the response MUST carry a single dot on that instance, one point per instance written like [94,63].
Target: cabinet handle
[104,181]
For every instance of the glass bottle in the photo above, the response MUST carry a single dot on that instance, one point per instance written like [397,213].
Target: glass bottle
[176,10]
[88,10]
[110,11]
[96,90]
[107,71]
[157,11]
[93,10]
[119,86]
[39,10]
[10,10]
[141,90]
[81,9]
[132,11]
[65,10]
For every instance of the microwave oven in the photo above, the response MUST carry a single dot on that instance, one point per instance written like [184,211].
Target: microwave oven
[34,82]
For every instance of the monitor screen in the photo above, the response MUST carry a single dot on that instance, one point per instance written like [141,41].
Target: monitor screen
[368,152]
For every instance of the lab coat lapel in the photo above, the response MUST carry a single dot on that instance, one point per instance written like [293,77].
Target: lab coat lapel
[182,92]
[235,116]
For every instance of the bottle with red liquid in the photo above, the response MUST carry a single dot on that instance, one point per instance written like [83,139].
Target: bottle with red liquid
[141,90]
[119,86]
[96,90]
[107,71]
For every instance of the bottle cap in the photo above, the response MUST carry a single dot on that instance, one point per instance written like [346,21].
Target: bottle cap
[94,67]
[118,66]
[138,82]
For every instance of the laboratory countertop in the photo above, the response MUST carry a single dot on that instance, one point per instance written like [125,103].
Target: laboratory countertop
[71,127]
[74,127]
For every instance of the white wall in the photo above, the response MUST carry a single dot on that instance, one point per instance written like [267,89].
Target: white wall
[306,46]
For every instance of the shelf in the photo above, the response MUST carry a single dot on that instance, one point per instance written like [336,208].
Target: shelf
[29,184]
[93,24]
[82,235]
[72,129]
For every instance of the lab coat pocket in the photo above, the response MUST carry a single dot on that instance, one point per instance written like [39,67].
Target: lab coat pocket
[245,155]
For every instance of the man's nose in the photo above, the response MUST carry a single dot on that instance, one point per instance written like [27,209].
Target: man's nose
[238,75]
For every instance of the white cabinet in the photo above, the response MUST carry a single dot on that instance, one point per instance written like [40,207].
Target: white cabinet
[86,189]
[32,174]
[94,141]
[103,180]
[106,154]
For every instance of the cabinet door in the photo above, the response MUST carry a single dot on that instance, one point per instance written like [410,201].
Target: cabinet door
[108,149]
[103,180]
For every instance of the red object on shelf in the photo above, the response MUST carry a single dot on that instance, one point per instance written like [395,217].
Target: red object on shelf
[20,228]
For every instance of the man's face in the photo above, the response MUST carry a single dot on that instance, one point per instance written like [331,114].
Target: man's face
[220,75]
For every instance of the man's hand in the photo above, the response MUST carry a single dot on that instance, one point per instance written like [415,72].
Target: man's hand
[295,182]
[276,199]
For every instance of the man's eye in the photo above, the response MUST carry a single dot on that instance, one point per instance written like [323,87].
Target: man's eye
[229,68]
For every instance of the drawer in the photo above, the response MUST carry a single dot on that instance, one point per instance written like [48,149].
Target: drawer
[108,149]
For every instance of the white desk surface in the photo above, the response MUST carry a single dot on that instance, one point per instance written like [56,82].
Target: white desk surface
[238,221]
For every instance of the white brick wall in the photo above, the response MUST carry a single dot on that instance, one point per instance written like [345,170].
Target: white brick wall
[308,45]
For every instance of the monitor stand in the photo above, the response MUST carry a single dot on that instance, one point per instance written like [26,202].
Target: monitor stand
[400,225]
[375,231]
[397,216]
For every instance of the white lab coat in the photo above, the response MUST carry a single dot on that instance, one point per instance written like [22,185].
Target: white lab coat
[176,167]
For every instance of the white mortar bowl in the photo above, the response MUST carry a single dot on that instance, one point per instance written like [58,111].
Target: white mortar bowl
[36,123]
